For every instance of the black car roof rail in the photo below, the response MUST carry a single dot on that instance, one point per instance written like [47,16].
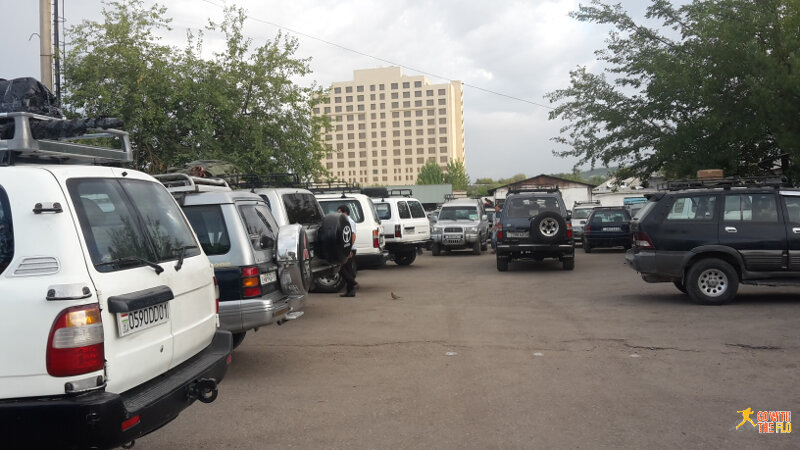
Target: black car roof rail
[586,202]
[724,183]
[28,137]
[334,187]
[539,188]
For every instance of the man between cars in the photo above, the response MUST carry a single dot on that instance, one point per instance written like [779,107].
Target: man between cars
[347,271]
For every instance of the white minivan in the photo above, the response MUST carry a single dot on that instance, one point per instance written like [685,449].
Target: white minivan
[110,307]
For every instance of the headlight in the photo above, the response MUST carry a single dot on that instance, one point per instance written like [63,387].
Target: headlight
[436,230]
[472,229]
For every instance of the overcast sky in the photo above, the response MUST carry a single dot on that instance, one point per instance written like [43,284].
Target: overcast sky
[520,49]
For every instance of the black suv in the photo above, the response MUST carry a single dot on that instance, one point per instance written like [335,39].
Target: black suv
[534,225]
[607,226]
[708,239]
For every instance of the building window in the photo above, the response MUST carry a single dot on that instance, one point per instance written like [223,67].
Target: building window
[442,149]
[348,98]
[443,159]
[337,100]
[409,160]
[380,87]
[417,93]
[443,139]
[360,107]
[371,87]
[406,94]
[420,141]
[360,98]
[443,130]
[441,92]
[337,90]
[396,143]
[418,84]
[382,96]
[443,120]
[431,112]
[406,104]
[329,165]
[431,150]
[406,85]
[431,140]
[409,151]
[431,130]
[395,95]
[442,111]
[420,160]
[359,88]
[348,89]
[417,103]
[396,133]
[420,151]
[340,164]
[362,145]
[420,131]
[397,161]
[351,145]
[396,152]
[394,85]
[395,105]
[327,109]
[442,101]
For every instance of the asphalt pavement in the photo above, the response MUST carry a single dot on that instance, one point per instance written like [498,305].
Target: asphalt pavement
[536,357]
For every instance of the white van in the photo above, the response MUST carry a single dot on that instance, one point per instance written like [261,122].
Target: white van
[110,306]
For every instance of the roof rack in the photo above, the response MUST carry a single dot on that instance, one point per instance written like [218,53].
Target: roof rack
[400,192]
[334,187]
[19,143]
[448,197]
[181,182]
[586,202]
[252,180]
[724,183]
[538,188]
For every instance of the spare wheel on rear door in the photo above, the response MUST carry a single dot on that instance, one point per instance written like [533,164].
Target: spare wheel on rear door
[335,238]
[294,262]
[548,227]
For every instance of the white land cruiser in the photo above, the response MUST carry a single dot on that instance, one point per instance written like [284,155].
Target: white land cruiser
[110,307]
[405,225]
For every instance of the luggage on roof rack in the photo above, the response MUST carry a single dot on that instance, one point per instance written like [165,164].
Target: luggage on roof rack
[28,95]
[29,137]
[181,182]
[725,183]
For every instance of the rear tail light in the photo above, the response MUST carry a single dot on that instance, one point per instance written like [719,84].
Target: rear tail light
[216,294]
[251,282]
[587,229]
[642,240]
[499,231]
[75,345]
[375,238]
[569,229]
[397,231]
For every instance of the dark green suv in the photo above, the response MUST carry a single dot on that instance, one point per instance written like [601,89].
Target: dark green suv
[534,225]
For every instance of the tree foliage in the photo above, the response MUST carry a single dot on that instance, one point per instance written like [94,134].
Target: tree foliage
[716,85]
[430,173]
[241,105]
[456,175]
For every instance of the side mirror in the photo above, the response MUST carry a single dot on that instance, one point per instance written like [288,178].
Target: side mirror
[569,215]
[266,242]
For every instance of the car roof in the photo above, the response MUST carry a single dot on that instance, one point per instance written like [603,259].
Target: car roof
[219,197]
[462,202]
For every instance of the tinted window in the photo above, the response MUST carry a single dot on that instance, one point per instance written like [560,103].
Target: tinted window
[209,226]
[755,207]
[259,223]
[792,207]
[6,232]
[129,218]
[693,208]
[523,207]
[417,211]
[302,208]
[383,211]
[331,206]
[459,213]
[614,216]
[403,211]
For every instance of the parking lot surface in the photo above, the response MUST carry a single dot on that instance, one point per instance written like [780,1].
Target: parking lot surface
[536,357]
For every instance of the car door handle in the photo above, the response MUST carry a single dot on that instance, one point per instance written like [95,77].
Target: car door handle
[730,229]
[796,230]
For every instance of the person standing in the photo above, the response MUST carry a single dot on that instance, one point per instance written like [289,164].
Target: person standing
[496,220]
[347,271]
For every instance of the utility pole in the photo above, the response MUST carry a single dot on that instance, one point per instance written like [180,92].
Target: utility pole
[45,46]
[56,19]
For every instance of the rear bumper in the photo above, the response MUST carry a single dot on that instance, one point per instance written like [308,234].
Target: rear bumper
[242,315]
[536,250]
[376,259]
[608,241]
[94,419]
[394,247]
[656,266]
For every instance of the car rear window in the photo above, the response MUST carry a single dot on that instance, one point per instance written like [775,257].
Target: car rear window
[129,219]
[700,207]
[259,222]
[616,216]
[356,212]
[383,211]
[403,211]
[417,211]
[302,208]
[6,232]
[209,226]
[528,207]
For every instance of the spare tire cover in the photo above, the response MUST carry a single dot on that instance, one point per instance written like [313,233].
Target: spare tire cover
[294,261]
[335,238]
[548,227]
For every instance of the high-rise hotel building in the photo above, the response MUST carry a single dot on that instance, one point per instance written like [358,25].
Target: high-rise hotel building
[387,125]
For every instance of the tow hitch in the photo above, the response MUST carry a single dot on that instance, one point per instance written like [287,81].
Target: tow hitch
[204,389]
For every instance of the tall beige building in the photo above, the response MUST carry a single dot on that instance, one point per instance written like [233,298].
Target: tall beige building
[387,125]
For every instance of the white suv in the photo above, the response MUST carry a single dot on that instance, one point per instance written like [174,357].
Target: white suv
[405,226]
[110,303]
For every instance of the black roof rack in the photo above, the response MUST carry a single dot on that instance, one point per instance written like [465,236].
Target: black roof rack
[448,197]
[181,182]
[375,192]
[539,188]
[29,137]
[586,202]
[253,181]
[724,183]
[334,187]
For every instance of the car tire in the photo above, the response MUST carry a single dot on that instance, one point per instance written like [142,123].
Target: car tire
[484,245]
[548,227]
[405,258]
[712,281]
[238,338]
[502,263]
[476,248]
[587,248]
[568,264]
[436,249]
[328,284]
[335,238]
[679,284]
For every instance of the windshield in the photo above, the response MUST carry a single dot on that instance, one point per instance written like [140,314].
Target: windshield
[459,213]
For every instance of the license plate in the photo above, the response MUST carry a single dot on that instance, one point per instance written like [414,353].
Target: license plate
[520,234]
[268,277]
[612,228]
[142,319]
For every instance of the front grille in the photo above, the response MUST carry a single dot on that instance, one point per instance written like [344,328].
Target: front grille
[453,230]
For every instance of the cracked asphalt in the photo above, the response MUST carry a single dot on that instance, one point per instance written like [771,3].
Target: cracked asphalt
[536,357]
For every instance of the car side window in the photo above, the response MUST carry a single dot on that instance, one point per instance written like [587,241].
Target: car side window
[403,211]
[692,208]
[792,208]
[383,210]
[257,225]
[417,211]
[751,208]
[6,232]
[209,225]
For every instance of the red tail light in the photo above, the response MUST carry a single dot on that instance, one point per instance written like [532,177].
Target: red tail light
[499,231]
[587,229]
[569,229]
[75,345]
[375,241]
[398,231]
[642,240]
[216,293]
[251,282]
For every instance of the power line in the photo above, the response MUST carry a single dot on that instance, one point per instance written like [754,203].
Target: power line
[432,75]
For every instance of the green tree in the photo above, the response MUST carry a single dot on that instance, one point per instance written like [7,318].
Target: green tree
[241,105]
[430,173]
[456,175]
[714,86]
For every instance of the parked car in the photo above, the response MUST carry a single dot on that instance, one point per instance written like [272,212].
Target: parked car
[607,226]
[534,225]
[462,224]
[580,212]
[110,304]
[405,226]
[263,271]
[709,239]
[370,242]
